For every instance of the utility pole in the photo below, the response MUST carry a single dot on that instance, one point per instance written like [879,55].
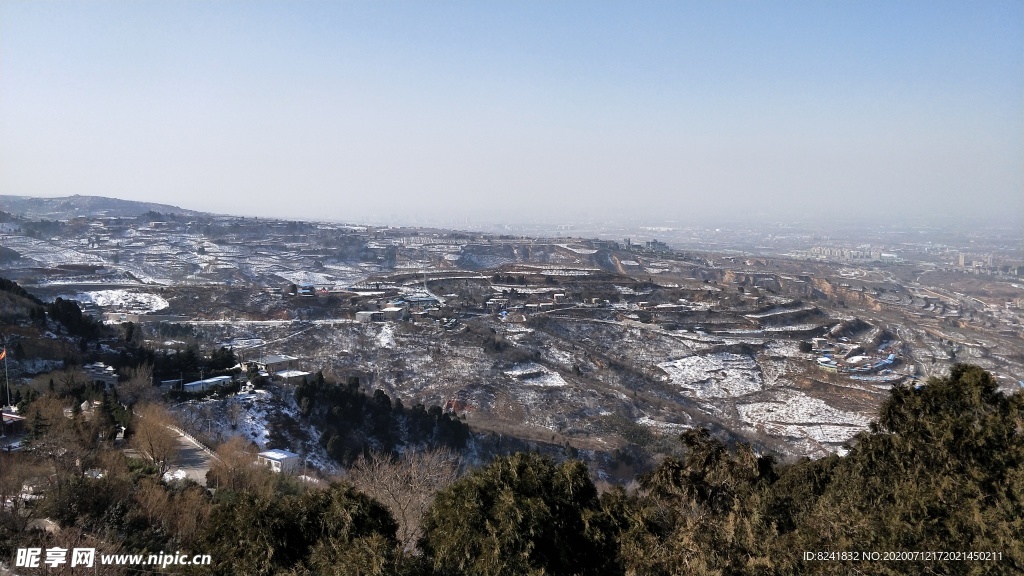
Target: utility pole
[7,381]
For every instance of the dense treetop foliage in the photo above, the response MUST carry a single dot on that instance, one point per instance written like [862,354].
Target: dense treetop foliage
[523,514]
[354,423]
[16,289]
[942,470]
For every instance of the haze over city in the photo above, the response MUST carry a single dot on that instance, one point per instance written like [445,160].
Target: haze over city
[520,111]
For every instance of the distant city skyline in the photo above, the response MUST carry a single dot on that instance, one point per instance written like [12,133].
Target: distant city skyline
[519,111]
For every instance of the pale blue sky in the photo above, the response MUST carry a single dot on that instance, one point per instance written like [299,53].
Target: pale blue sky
[517,110]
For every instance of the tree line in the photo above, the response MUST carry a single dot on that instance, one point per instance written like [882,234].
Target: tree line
[354,423]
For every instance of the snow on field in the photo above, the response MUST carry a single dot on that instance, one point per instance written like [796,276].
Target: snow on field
[252,421]
[547,380]
[522,289]
[243,343]
[302,277]
[880,378]
[715,375]
[781,312]
[788,348]
[536,375]
[558,356]
[386,338]
[795,414]
[140,302]
[147,274]
[568,271]
[666,427]
[577,250]
[791,328]
[48,254]
[37,365]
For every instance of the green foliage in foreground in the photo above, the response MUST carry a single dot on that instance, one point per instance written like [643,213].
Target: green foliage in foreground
[520,515]
[332,531]
[941,471]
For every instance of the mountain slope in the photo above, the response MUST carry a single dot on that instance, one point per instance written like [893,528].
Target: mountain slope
[63,208]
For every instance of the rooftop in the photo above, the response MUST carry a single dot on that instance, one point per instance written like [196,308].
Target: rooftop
[278,454]
[278,358]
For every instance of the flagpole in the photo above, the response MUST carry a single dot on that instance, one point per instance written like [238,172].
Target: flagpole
[7,378]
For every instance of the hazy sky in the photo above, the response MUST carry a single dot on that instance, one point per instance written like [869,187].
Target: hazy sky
[517,110]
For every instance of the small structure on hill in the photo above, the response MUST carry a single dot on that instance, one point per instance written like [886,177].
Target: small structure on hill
[275,363]
[207,384]
[101,375]
[278,460]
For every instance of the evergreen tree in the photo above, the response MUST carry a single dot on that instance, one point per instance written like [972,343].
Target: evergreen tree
[523,514]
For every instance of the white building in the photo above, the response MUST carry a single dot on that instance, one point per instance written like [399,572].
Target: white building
[208,384]
[278,460]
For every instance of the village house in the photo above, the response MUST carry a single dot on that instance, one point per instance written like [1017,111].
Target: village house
[278,460]
[275,363]
[207,384]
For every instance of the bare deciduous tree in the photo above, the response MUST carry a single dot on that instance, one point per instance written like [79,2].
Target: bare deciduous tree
[70,379]
[52,433]
[234,415]
[406,485]
[139,386]
[153,438]
[181,513]
[236,469]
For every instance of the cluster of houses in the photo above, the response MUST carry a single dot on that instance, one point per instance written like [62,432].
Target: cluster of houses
[406,306]
[280,367]
[851,358]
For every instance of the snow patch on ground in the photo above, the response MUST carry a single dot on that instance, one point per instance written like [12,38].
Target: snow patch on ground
[386,338]
[559,356]
[252,420]
[715,375]
[38,365]
[300,277]
[666,427]
[123,300]
[577,250]
[533,374]
[243,343]
[792,328]
[172,475]
[49,254]
[794,414]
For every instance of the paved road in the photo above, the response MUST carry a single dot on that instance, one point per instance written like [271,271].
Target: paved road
[193,460]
